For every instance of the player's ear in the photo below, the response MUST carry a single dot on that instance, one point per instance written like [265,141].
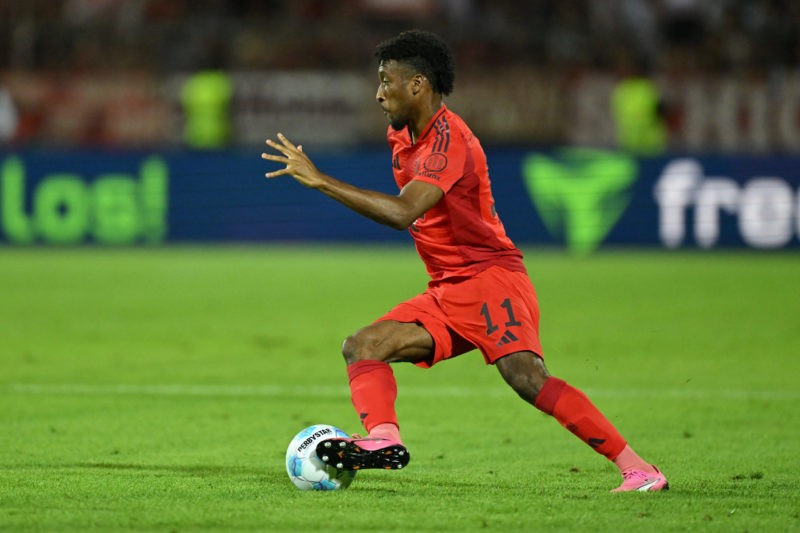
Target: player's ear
[417,82]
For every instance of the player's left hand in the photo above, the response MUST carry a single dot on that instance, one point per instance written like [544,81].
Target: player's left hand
[298,164]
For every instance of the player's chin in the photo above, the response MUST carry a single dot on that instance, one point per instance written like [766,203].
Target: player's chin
[397,124]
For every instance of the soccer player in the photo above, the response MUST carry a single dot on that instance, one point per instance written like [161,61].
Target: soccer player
[479,295]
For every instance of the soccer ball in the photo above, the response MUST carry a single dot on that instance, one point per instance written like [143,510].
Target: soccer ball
[305,469]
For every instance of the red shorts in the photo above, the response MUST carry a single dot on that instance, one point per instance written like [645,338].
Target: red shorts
[495,311]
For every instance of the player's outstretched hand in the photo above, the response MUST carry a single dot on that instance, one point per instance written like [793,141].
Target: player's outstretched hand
[298,164]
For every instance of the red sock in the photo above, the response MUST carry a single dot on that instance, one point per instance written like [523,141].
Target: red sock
[577,413]
[373,391]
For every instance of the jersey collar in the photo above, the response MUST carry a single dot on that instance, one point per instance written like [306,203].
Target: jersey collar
[430,124]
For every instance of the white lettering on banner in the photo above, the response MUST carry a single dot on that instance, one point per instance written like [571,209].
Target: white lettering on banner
[764,206]
[714,194]
[765,219]
[674,193]
[798,212]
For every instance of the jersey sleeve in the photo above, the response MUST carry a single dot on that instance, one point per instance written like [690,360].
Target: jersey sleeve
[442,163]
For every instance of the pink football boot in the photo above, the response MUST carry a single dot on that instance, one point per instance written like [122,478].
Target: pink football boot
[637,480]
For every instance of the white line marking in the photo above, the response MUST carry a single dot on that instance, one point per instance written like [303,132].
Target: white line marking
[324,391]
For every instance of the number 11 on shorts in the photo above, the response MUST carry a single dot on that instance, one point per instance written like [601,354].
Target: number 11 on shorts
[491,327]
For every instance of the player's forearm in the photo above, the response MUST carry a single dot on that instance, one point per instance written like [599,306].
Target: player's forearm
[380,207]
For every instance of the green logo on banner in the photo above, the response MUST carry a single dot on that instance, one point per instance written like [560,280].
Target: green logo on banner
[65,209]
[581,194]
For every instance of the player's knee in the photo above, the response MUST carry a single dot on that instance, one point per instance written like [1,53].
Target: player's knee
[525,373]
[349,349]
[361,345]
[527,387]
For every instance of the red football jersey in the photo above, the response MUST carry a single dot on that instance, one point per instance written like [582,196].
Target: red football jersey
[462,234]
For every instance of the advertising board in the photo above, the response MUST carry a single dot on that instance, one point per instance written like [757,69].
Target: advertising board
[577,198]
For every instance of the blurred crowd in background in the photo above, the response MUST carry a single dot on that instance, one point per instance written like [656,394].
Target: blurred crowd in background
[169,35]
[51,50]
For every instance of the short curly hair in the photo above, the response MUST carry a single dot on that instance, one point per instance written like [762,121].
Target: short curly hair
[425,52]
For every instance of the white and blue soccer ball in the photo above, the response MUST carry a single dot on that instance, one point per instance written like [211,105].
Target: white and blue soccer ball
[305,469]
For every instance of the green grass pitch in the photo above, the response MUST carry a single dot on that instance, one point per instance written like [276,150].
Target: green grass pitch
[157,389]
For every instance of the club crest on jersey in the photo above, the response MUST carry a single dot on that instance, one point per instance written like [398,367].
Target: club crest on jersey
[435,162]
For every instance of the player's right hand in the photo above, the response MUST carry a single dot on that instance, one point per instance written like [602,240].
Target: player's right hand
[298,164]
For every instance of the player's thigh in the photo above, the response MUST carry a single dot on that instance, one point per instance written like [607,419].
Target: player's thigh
[390,341]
